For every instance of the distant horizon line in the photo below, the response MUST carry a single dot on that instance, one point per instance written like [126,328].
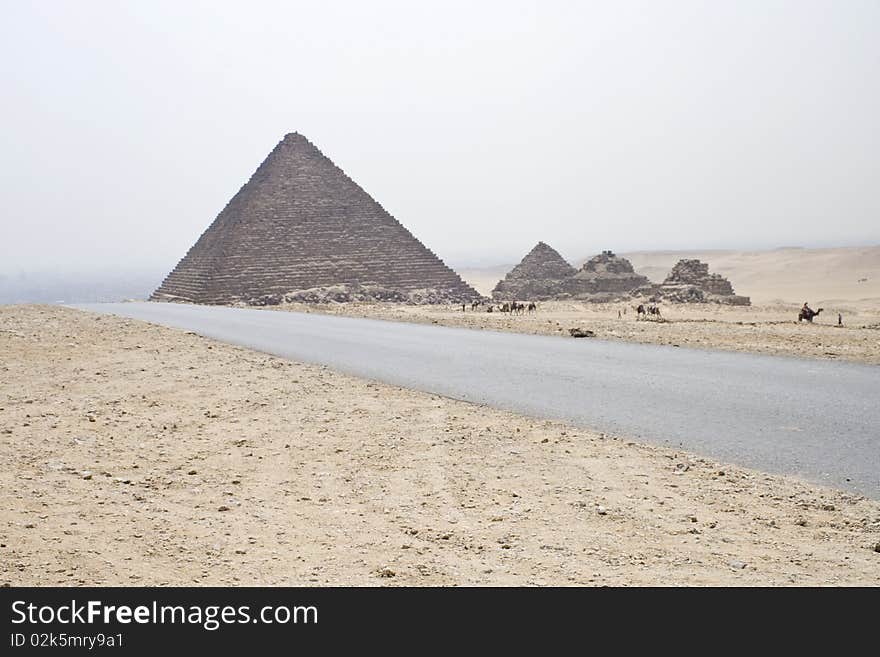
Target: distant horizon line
[455,262]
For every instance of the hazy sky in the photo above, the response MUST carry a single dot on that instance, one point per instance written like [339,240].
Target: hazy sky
[483,127]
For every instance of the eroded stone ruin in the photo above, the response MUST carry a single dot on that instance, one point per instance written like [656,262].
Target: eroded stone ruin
[301,230]
[605,277]
[690,282]
[539,276]
[543,275]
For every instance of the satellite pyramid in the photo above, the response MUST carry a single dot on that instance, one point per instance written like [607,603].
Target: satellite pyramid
[605,277]
[690,281]
[301,230]
[539,276]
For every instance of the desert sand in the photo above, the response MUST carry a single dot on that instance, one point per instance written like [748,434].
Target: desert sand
[137,454]
[843,281]
[768,329]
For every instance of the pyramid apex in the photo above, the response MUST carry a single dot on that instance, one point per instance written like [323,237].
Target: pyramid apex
[298,142]
[542,246]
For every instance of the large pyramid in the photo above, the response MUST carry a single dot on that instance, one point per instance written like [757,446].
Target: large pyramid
[302,230]
[538,276]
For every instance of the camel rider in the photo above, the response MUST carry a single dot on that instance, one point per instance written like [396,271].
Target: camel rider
[806,308]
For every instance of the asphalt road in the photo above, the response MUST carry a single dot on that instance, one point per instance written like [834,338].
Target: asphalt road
[816,419]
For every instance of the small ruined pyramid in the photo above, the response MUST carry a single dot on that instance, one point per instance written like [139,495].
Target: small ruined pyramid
[605,277]
[539,276]
[302,230]
[690,281]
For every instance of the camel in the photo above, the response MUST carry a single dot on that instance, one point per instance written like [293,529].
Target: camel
[513,307]
[532,306]
[648,312]
[808,314]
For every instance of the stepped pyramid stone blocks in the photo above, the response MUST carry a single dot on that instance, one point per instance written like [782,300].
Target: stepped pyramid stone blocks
[605,277]
[540,276]
[301,230]
[690,281]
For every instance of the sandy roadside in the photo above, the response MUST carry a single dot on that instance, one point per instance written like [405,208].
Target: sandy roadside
[768,329]
[137,454]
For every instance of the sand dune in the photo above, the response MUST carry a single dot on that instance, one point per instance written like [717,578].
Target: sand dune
[849,275]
